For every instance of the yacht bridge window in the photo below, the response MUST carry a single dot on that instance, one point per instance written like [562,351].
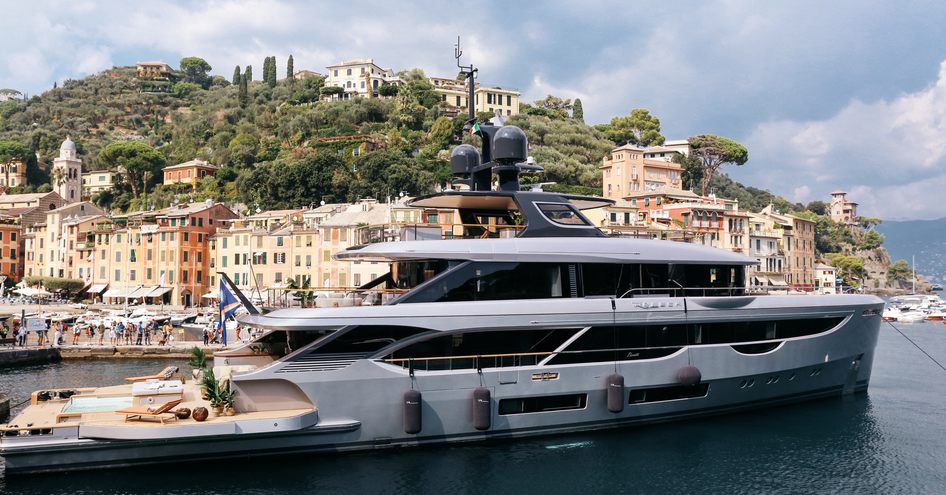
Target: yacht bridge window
[481,281]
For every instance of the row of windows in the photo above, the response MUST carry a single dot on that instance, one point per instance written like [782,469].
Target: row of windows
[149,238]
[164,255]
[596,344]
[482,281]
[149,275]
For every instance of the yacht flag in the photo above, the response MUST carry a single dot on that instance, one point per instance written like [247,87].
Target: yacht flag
[228,305]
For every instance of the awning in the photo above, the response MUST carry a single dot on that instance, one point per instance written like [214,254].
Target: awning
[97,288]
[141,292]
[118,292]
[778,280]
[159,291]
[760,280]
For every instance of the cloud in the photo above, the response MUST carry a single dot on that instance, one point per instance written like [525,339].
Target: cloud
[890,154]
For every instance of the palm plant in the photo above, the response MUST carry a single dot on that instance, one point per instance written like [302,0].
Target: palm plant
[304,294]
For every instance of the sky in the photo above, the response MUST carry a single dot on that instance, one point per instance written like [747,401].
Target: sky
[844,95]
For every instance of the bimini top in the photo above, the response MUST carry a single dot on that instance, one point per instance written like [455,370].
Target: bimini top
[547,249]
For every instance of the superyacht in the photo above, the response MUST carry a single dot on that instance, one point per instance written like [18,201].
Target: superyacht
[534,323]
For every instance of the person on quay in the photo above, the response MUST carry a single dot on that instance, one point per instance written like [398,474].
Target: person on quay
[139,332]
[57,336]
[76,333]
[112,334]
[101,332]
[149,329]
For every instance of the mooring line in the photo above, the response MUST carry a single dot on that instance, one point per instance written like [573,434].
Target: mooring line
[918,347]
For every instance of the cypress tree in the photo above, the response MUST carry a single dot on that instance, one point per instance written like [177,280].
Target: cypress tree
[236,75]
[248,73]
[244,93]
[577,112]
[271,72]
[289,70]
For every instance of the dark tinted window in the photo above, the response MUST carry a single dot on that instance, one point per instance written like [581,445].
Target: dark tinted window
[562,213]
[526,405]
[502,342]
[368,338]
[496,281]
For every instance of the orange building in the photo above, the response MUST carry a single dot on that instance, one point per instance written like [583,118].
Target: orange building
[11,248]
[188,172]
[161,255]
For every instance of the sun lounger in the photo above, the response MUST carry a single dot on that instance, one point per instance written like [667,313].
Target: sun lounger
[164,374]
[151,413]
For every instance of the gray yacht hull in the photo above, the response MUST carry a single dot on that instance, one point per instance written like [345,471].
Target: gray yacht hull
[361,401]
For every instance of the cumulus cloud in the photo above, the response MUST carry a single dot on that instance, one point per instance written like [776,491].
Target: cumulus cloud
[890,154]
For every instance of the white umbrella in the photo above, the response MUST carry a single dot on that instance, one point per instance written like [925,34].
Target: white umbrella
[31,292]
[211,295]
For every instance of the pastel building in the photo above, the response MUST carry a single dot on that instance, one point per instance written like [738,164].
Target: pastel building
[189,173]
[359,77]
[842,210]
[627,171]
[67,173]
[494,99]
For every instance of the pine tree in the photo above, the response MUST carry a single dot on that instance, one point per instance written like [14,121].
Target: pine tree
[248,73]
[236,75]
[578,113]
[290,72]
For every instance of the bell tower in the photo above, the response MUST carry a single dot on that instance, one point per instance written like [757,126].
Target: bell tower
[67,173]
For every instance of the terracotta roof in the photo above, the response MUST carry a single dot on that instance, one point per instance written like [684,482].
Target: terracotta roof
[192,163]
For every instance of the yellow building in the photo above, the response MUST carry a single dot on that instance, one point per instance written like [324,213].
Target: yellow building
[96,182]
[359,77]
[12,174]
[627,170]
[454,95]
[153,70]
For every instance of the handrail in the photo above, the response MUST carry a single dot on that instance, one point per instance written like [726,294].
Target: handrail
[525,354]
[641,290]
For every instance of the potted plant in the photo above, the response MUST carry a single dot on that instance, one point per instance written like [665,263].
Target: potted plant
[210,391]
[228,399]
[198,362]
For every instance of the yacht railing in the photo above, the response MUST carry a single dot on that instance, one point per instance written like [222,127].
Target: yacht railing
[370,234]
[330,297]
[481,361]
[683,292]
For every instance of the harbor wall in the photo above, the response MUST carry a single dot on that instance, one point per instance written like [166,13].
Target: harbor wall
[21,357]
[131,352]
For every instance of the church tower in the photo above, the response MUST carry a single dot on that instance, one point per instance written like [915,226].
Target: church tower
[67,173]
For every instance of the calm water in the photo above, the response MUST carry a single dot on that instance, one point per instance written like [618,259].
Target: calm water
[890,440]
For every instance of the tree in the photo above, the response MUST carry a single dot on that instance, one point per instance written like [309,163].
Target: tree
[243,93]
[692,170]
[269,71]
[868,222]
[714,152]
[818,207]
[248,72]
[183,89]
[196,70]
[243,148]
[135,162]
[387,89]
[555,104]
[13,151]
[236,75]
[871,240]
[578,113]
[441,133]
[290,72]
[850,268]
[899,271]
[639,127]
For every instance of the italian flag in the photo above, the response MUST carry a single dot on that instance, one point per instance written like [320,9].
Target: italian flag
[475,128]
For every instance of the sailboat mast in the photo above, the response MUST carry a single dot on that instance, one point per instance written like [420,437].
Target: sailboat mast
[914,273]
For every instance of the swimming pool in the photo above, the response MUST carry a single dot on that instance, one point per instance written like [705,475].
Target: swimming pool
[96,404]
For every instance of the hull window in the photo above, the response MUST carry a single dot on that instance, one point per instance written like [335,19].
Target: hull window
[661,394]
[525,405]
[672,280]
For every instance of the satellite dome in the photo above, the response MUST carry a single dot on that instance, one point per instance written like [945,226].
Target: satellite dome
[510,144]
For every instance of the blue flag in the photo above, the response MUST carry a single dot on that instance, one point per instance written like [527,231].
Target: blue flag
[228,305]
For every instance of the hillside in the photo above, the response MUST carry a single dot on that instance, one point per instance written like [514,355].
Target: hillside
[279,144]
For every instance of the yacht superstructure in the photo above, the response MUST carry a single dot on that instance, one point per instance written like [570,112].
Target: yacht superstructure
[535,323]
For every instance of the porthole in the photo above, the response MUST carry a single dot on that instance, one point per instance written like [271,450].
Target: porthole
[743,384]
[751,382]
[791,377]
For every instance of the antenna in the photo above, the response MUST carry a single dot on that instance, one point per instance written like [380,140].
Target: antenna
[469,73]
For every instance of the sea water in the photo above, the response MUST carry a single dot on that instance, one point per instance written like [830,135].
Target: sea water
[890,440]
